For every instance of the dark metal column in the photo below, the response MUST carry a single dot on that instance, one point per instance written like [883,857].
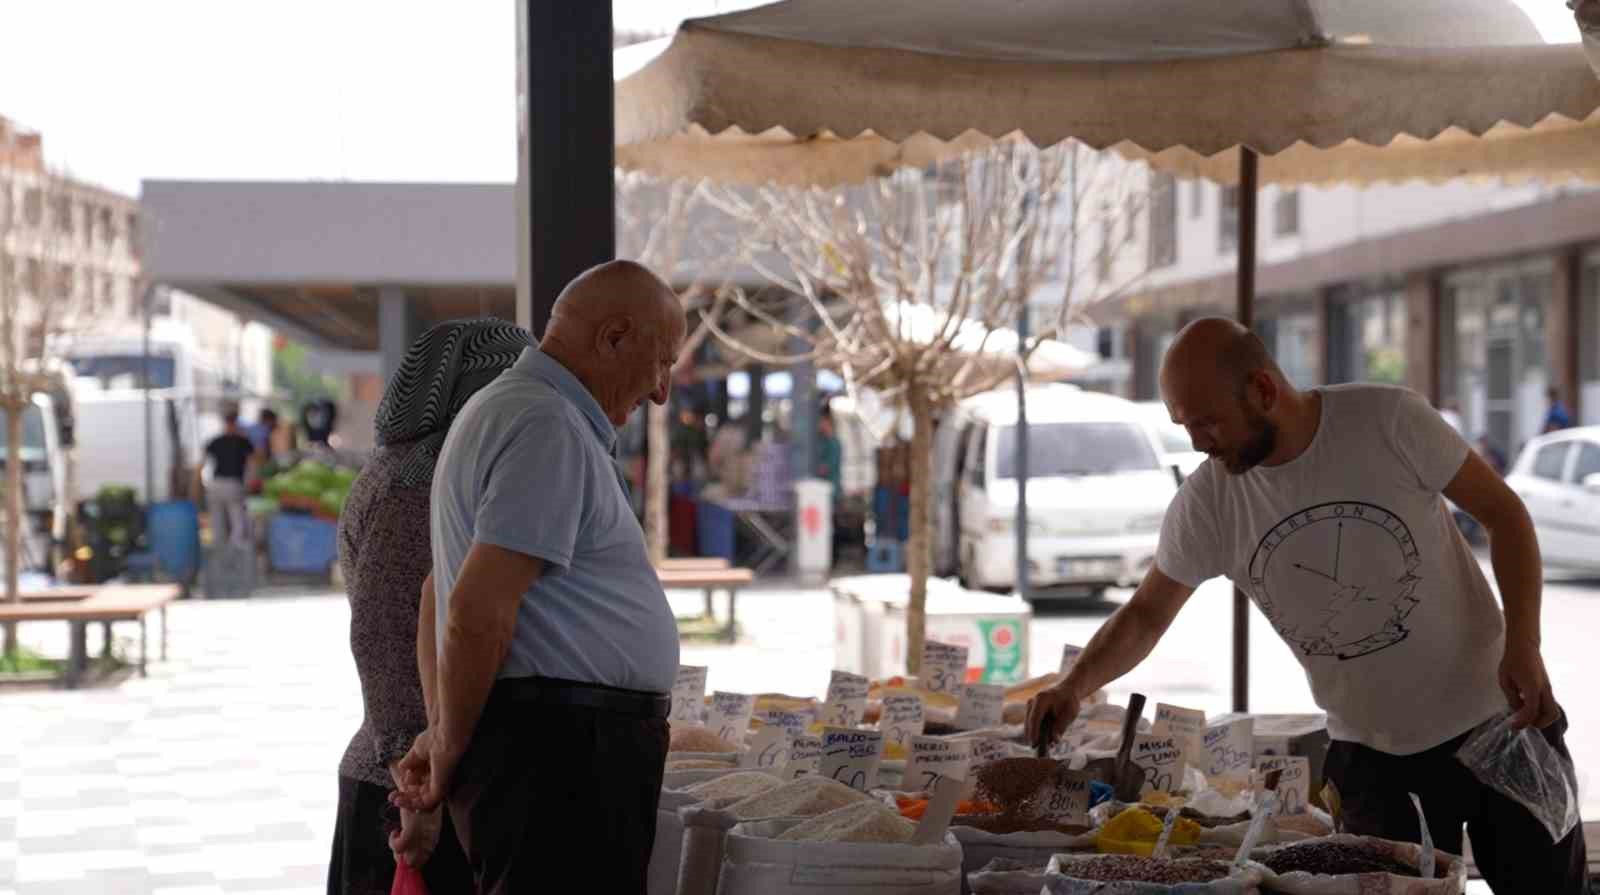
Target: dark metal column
[566,222]
[1246,311]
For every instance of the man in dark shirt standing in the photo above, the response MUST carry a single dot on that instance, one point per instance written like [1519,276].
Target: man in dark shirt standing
[232,459]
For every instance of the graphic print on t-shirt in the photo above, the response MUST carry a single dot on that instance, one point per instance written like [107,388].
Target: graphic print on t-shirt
[1338,579]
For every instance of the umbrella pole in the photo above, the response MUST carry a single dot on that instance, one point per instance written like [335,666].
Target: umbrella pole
[1245,277]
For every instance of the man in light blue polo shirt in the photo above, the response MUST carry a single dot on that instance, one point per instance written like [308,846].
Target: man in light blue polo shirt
[556,648]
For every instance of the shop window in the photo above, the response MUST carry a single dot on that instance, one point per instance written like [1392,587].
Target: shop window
[1228,220]
[1286,213]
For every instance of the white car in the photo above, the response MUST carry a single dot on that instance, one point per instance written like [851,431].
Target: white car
[1177,448]
[1558,478]
[1097,490]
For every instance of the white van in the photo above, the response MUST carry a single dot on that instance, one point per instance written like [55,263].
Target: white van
[1097,490]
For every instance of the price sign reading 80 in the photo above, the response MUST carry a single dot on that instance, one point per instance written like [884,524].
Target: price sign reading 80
[1064,799]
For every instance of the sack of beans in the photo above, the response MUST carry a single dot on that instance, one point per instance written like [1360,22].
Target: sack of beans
[807,857]
[1358,865]
[1138,875]
[981,848]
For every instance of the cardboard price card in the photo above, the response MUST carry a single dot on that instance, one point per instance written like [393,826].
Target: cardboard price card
[1294,785]
[769,750]
[902,718]
[1230,748]
[794,722]
[841,714]
[1064,799]
[729,717]
[1069,657]
[982,705]
[944,667]
[805,754]
[1161,760]
[688,694]
[934,759]
[987,750]
[851,757]
[1188,727]
[846,687]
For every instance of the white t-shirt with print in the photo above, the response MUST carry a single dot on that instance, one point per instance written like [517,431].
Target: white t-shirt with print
[1350,552]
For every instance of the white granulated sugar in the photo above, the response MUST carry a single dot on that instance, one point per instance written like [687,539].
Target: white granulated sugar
[863,822]
[738,785]
[806,797]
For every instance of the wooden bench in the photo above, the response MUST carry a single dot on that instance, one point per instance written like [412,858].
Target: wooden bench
[694,564]
[81,607]
[710,580]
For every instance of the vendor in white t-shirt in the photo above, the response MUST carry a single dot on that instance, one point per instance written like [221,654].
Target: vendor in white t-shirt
[1325,507]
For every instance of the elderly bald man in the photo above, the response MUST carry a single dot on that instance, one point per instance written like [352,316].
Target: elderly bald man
[556,649]
[1325,506]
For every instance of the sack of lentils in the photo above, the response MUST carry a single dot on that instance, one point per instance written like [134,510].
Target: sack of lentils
[1358,865]
[1136,875]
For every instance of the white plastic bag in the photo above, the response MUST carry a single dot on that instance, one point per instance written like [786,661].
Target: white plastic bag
[1524,767]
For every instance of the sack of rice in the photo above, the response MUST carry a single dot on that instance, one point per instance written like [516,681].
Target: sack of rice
[734,787]
[661,878]
[1334,865]
[1136,875]
[860,822]
[1003,876]
[705,827]
[695,738]
[757,862]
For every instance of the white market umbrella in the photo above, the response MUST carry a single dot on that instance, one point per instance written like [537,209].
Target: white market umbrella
[829,92]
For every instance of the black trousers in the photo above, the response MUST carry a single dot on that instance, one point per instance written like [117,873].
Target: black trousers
[362,863]
[557,798]
[1512,849]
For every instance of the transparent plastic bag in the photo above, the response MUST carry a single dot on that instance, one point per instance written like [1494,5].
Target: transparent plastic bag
[1524,767]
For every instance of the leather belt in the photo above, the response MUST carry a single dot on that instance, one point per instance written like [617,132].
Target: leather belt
[553,691]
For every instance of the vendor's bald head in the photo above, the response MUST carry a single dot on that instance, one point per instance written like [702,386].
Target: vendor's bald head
[618,328]
[1220,383]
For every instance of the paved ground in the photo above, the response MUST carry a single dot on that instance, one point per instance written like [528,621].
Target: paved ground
[216,774]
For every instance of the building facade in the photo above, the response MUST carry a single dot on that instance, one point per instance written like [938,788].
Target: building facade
[1480,295]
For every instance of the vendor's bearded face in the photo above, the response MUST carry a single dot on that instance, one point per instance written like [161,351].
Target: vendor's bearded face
[1227,418]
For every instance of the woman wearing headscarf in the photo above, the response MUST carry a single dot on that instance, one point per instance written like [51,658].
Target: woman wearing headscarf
[385,556]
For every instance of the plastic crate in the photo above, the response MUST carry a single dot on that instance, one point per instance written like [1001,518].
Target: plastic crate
[302,545]
[714,526]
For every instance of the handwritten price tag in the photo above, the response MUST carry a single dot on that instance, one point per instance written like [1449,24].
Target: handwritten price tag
[1161,760]
[1064,799]
[982,705]
[688,694]
[769,750]
[805,754]
[841,714]
[1230,748]
[902,719]
[987,750]
[934,759]
[1294,785]
[1069,657]
[846,687]
[944,667]
[851,757]
[730,716]
[1188,727]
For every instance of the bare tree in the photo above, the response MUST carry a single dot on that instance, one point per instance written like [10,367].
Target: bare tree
[43,293]
[656,226]
[911,285]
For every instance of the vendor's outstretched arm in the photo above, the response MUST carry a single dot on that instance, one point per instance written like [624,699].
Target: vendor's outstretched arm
[1121,644]
[1518,569]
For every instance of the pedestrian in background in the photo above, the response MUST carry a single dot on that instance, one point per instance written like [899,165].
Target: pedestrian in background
[232,459]
[557,649]
[385,556]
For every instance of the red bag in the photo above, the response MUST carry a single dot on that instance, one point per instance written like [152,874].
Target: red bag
[407,880]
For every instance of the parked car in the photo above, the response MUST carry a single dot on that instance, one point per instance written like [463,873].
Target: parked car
[1097,490]
[1558,478]
[1177,448]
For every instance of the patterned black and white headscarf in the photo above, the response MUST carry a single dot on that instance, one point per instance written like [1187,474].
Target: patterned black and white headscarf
[442,369]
